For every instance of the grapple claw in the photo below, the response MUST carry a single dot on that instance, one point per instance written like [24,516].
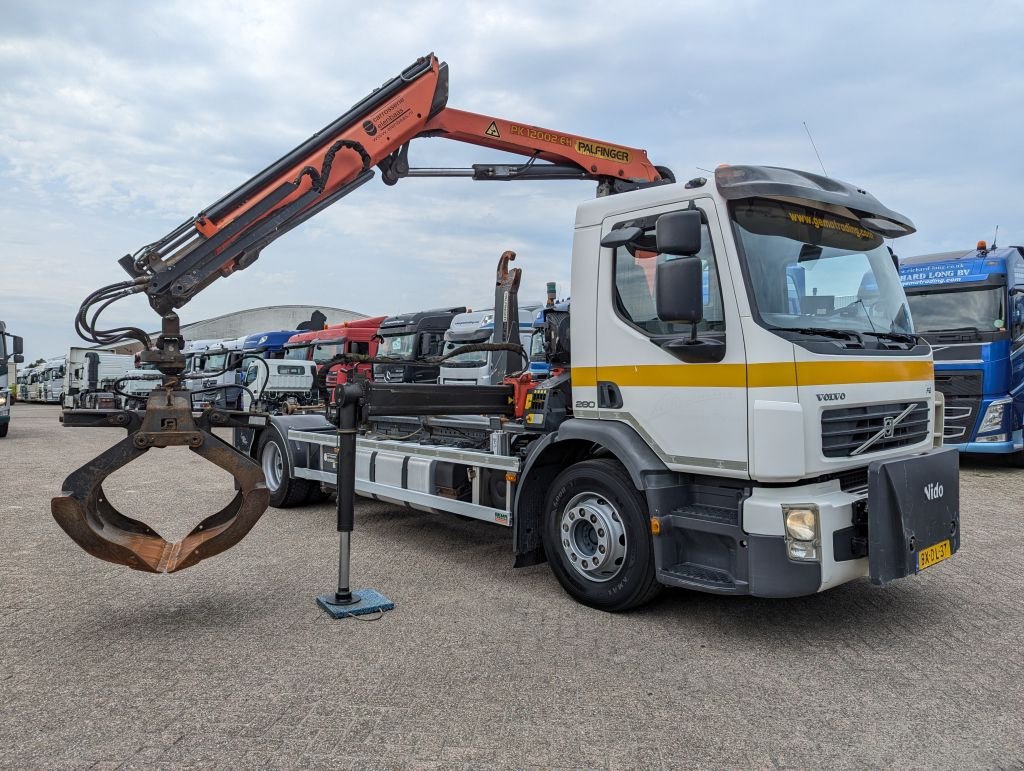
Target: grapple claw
[87,516]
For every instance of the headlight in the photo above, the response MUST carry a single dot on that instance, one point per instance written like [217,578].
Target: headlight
[802,539]
[993,416]
[801,523]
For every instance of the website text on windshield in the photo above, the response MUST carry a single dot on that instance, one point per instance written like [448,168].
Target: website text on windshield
[819,274]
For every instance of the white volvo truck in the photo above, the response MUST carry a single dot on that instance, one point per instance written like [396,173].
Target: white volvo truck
[730,416]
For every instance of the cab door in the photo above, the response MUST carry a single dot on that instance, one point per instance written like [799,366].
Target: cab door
[692,414]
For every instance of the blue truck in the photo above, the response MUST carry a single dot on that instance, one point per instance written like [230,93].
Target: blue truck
[969,305]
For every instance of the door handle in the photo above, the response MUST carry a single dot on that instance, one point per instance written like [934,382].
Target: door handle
[609,397]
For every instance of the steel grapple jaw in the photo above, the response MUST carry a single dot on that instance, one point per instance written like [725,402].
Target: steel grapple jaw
[87,516]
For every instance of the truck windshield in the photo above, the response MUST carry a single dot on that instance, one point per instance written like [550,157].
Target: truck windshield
[810,269]
[974,310]
[298,354]
[470,358]
[322,353]
[399,346]
[215,362]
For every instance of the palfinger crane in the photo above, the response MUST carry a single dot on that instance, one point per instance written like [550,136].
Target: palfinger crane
[230,234]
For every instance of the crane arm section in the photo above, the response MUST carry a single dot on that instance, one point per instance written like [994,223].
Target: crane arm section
[229,234]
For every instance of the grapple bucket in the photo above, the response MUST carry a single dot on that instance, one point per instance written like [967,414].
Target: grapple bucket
[84,512]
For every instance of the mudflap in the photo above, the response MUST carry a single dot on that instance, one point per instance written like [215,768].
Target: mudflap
[913,505]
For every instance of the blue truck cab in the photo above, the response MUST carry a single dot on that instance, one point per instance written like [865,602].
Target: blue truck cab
[970,307]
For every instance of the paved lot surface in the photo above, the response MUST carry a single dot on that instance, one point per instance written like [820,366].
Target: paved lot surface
[231,664]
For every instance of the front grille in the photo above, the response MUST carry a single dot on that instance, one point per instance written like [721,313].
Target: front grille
[965,383]
[845,429]
[963,401]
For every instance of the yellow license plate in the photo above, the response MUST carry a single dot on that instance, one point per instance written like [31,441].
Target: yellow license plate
[933,554]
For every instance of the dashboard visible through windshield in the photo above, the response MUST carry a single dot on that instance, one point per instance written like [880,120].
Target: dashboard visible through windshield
[817,271]
[972,310]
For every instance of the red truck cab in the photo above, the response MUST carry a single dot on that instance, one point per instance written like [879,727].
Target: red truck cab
[350,337]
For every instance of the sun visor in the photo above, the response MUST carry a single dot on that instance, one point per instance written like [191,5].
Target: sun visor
[738,182]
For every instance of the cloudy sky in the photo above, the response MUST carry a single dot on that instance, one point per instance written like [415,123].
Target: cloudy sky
[120,120]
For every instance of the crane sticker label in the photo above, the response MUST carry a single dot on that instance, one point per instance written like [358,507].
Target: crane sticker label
[544,136]
[492,130]
[387,118]
[581,146]
[604,152]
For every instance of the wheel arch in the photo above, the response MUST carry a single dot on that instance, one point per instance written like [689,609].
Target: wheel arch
[575,440]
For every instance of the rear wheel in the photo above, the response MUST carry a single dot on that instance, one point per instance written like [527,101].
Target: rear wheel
[285,492]
[3,430]
[597,539]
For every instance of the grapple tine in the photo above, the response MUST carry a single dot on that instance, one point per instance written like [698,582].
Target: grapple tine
[83,511]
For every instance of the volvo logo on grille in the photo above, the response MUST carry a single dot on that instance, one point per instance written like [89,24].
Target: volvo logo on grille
[833,397]
[887,431]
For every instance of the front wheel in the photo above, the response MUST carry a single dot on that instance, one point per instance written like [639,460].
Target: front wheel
[597,539]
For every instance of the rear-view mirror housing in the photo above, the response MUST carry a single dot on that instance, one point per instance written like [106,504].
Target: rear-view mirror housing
[679,233]
[679,294]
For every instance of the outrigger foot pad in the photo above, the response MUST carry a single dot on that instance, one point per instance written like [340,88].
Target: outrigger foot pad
[87,516]
[366,601]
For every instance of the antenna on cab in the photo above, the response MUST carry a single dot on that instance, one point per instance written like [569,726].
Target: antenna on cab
[815,148]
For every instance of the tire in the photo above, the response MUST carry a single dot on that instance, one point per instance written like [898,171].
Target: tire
[3,430]
[614,528]
[285,492]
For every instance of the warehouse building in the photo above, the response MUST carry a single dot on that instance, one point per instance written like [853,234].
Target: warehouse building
[253,320]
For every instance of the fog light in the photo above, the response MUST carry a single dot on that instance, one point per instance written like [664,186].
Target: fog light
[801,522]
[995,438]
[802,550]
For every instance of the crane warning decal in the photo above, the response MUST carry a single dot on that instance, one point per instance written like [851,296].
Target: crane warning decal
[492,130]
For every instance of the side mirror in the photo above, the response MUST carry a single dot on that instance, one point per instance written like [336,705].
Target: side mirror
[679,233]
[17,344]
[425,346]
[621,237]
[679,293]
[18,358]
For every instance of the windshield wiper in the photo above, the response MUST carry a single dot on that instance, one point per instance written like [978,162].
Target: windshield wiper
[838,334]
[900,337]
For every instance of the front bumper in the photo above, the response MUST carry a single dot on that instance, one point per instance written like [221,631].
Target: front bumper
[876,530]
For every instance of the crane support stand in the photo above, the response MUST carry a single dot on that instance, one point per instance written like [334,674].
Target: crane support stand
[344,602]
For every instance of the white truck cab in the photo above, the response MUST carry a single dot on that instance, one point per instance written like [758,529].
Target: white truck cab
[477,367]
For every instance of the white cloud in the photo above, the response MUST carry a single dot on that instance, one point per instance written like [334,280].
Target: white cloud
[117,122]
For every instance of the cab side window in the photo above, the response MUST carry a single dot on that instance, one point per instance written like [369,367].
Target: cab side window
[635,276]
[1017,318]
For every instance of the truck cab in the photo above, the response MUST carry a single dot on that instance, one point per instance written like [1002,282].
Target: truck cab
[477,367]
[10,354]
[359,337]
[969,305]
[92,376]
[214,370]
[52,386]
[411,336]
